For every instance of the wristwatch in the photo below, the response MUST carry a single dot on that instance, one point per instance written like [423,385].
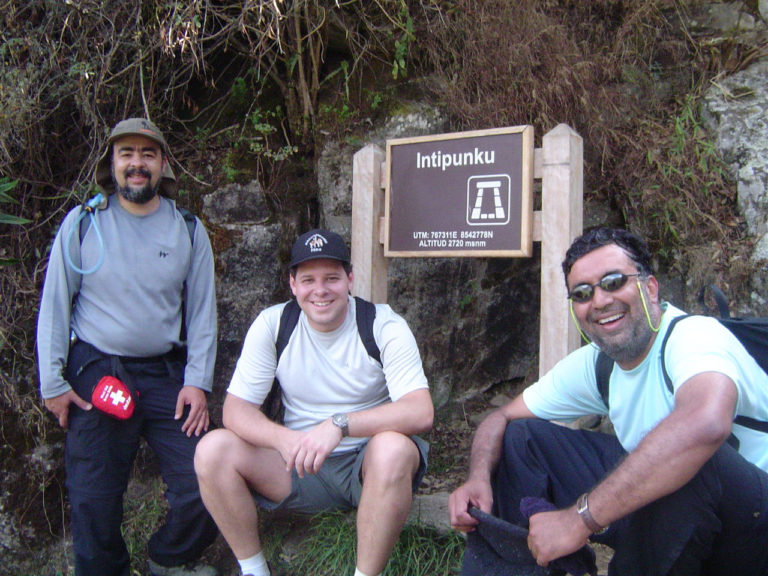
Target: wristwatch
[342,421]
[582,507]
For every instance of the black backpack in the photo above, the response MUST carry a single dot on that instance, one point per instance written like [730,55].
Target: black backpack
[365,314]
[751,332]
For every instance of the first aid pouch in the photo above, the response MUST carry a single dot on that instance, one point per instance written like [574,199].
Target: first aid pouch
[113,397]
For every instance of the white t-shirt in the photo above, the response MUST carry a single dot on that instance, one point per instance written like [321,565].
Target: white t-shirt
[322,373]
[639,398]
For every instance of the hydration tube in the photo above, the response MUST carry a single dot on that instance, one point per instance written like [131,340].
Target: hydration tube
[89,210]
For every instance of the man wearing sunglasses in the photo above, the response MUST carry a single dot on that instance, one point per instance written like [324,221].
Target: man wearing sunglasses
[679,489]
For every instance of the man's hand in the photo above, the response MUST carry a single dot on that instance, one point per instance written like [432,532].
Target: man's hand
[552,535]
[309,453]
[475,493]
[198,418]
[59,405]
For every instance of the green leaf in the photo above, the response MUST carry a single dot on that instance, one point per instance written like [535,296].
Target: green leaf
[5,187]
[10,219]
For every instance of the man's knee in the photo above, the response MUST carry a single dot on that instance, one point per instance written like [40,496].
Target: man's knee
[520,435]
[212,450]
[391,455]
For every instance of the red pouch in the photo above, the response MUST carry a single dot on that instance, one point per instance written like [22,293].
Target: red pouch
[113,397]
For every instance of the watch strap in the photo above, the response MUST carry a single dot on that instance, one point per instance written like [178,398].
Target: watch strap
[582,507]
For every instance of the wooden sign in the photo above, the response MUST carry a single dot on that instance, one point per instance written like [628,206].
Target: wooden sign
[460,194]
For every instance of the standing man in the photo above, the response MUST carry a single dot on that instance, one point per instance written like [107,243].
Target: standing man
[674,496]
[120,292]
[348,439]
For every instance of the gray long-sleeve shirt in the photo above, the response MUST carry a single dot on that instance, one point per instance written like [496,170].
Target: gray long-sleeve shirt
[131,305]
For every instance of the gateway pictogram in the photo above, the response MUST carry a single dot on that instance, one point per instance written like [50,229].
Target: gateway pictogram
[488,200]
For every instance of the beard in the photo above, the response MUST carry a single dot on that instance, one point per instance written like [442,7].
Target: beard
[631,344]
[628,347]
[137,195]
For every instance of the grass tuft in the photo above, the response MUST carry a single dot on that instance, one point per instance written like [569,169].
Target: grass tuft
[420,551]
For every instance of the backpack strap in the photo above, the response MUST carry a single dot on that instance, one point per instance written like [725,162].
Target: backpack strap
[191,222]
[289,317]
[748,422]
[273,403]
[672,324]
[603,369]
[604,365]
[721,300]
[365,314]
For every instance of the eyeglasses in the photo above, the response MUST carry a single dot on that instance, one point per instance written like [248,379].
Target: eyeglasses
[610,283]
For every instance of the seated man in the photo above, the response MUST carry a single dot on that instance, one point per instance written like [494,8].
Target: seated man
[348,439]
[675,497]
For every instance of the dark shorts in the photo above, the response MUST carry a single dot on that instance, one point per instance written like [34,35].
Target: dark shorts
[338,484]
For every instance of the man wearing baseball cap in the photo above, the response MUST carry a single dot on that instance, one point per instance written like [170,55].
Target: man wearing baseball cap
[128,320]
[348,437]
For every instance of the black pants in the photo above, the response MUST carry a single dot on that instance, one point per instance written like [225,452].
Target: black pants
[716,524]
[99,456]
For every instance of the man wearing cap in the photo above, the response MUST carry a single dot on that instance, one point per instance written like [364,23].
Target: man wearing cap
[120,296]
[350,425]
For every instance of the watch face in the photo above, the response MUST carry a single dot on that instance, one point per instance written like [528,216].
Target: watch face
[581,504]
[342,422]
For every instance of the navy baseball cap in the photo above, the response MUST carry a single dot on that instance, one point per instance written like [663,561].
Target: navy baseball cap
[316,244]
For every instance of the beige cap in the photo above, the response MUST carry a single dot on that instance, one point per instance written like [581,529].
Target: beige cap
[133,127]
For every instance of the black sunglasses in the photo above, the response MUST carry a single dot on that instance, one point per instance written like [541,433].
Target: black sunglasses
[610,283]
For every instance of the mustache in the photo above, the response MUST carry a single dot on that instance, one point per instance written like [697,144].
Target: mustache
[140,171]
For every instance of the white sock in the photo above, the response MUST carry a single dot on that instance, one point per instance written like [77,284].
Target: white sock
[358,573]
[255,565]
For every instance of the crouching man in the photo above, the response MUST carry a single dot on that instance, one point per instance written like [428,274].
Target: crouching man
[348,438]
[681,488]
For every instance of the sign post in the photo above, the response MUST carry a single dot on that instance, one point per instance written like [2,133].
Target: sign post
[368,262]
[562,216]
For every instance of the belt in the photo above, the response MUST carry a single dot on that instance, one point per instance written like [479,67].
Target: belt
[175,354]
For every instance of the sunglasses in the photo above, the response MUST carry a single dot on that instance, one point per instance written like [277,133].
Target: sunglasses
[610,283]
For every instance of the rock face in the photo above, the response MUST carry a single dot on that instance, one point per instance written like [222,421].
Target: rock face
[249,274]
[475,319]
[734,110]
